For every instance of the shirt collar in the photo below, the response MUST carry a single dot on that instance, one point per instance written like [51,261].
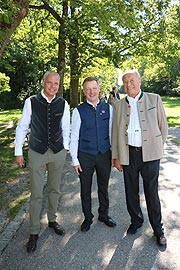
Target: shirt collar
[136,98]
[44,96]
[93,104]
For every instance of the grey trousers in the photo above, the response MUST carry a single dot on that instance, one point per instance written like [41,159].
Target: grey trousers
[38,165]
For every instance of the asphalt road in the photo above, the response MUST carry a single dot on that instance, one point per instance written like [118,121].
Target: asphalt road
[102,248]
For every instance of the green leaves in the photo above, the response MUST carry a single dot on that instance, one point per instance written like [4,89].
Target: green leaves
[4,83]
[77,36]
[7,12]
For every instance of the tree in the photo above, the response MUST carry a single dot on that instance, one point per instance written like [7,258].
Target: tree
[12,13]
[160,67]
[27,57]
[92,29]
[113,29]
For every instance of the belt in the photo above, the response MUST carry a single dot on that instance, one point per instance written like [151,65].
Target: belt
[136,148]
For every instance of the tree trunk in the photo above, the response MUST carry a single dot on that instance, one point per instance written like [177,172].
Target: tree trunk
[74,72]
[74,98]
[61,59]
[7,29]
[62,47]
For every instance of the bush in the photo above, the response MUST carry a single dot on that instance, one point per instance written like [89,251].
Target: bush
[175,92]
[4,83]
[9,101]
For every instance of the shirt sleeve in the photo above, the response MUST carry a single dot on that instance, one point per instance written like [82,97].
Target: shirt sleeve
[74,141]
[66,126]
[22,128]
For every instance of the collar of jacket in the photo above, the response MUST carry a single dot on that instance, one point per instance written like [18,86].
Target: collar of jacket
[138,99]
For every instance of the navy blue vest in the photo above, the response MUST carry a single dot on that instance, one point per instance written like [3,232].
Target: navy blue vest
[94,130]
[46,130]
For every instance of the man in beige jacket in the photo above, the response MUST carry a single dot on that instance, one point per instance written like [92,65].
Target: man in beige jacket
[138,134]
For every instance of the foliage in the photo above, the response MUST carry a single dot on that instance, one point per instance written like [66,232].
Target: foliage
[160,67]
[175,91]
[4,83]
[8,7]
[25,61]
[75,36]
[11,14]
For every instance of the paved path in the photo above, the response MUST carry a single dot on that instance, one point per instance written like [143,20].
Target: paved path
[102,248]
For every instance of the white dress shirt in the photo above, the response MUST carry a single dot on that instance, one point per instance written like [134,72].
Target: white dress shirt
[25,120]
[75,129]
[134,129]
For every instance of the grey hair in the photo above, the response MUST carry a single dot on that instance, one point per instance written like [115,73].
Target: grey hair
[50,72]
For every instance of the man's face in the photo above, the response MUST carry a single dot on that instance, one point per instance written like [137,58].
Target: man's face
[131,84]
[51,85]
[91,91]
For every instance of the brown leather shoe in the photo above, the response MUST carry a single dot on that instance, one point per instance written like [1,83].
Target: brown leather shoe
[57,228]
[32,243]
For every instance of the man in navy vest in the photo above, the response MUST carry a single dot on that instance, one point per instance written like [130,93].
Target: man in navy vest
[90,151]
[49,119]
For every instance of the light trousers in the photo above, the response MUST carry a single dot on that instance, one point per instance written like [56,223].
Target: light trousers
[38,165]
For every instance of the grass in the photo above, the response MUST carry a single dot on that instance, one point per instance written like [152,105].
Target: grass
[9,115]
[14,182]
[16,204]
[172,109]
[14,187]
[176,141]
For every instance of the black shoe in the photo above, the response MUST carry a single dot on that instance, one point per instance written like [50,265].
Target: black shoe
[108,221]
[57,228]
[161,240]
[32,243]
[85,226]
[133,229]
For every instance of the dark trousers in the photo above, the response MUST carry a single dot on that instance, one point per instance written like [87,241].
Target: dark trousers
[101,163]
[150,173]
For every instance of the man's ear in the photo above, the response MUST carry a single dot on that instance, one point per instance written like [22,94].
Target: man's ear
[42,83]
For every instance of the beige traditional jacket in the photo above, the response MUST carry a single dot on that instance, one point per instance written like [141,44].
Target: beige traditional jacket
[153,125]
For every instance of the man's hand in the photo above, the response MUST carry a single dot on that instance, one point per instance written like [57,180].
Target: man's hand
[117,165]
[77,169]
[20,161]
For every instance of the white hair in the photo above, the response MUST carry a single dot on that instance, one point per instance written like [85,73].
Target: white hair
[131,71]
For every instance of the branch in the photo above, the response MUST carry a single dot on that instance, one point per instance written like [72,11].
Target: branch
[47,7]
